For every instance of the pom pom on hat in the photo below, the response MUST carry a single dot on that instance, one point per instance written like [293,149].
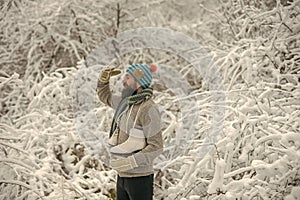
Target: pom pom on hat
[153,68]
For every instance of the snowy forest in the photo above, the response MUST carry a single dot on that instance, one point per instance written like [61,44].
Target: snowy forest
[230,112]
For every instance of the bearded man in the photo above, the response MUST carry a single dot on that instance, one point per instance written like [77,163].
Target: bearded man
[135,137]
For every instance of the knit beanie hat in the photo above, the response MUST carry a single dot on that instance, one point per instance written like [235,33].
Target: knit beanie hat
[142,73]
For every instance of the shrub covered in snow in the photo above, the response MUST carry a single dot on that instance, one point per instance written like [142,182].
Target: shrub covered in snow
[255,46]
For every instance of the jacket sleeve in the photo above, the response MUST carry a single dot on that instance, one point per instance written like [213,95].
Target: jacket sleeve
[151,123]
[106,96]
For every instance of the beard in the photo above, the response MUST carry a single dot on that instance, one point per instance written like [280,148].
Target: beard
[128,91]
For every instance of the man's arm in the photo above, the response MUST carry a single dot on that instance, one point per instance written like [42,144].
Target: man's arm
[104,93]
[103,89]
[151,122]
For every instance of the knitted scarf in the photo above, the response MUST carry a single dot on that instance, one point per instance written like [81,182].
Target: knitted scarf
[136,99]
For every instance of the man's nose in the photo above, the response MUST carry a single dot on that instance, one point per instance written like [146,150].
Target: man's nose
[124,81]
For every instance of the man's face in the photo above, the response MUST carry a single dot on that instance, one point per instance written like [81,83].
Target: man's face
[130,85]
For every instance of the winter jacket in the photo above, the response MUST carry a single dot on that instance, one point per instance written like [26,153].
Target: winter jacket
[148,119]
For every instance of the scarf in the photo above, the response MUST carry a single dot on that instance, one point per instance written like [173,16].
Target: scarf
[134,99]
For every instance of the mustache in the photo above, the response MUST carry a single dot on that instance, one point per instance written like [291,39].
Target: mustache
[127,91]
[133,87]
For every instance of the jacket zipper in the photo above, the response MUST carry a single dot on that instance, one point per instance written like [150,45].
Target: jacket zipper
[119,123]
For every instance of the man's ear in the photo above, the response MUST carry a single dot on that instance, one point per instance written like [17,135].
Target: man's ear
[137,85]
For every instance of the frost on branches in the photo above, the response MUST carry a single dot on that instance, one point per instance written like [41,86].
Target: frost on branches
[255,46]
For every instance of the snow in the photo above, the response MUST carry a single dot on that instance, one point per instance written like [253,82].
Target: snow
[218,179]
[245,145]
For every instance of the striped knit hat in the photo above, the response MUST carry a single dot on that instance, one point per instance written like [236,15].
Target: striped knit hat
[142,73]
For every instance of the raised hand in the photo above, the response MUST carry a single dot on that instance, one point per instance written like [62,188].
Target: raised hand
[108,72]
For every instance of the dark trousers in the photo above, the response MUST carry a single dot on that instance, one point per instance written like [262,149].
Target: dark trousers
[135,188]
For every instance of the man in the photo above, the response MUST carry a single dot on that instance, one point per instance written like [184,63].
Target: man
[135,134]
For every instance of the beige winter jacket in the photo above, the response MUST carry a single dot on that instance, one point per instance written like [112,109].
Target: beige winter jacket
[148,119]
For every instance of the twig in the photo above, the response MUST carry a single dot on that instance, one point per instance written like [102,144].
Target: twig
[16,162]
[218,154]
[77,26]
[21,184]
[11,146]
[118,19]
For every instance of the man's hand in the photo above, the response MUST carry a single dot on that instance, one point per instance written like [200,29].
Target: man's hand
[123,164]
[107,73]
